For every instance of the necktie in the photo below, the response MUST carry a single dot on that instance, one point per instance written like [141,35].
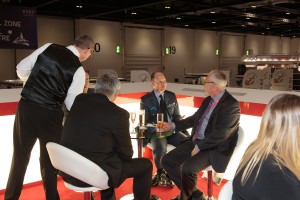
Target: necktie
[163,108]
[197,134]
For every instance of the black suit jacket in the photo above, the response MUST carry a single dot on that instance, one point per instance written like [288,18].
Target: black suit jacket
[99,130]
[221,131]
[151,106]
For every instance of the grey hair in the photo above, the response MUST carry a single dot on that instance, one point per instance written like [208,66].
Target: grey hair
[219,78]
[107,84]
[84,42]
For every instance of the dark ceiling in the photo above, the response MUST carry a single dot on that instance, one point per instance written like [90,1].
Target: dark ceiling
[272,17]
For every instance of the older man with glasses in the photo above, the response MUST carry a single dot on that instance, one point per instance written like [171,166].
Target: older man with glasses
[214,135]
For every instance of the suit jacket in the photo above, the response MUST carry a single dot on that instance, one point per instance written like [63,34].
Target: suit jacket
[99,130]
[151,106]
[221,131]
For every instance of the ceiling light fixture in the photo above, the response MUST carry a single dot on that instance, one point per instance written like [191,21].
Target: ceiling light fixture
[212,12]
[178,18]
[250,15]
[78,6]
[133,13]
[213,22]
[167,7]
[186,25]
[285,20]
[287,13]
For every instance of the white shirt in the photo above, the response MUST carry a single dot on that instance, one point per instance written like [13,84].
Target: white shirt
[25,66]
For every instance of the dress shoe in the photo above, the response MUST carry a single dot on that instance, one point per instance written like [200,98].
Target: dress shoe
[198,198]
[169,182]
[191,198]
[175,198]
[155,179]
[154,197]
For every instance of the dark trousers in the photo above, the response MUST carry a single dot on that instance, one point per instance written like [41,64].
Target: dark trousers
[140,169]
[159,146]
[183,168]
[33,122]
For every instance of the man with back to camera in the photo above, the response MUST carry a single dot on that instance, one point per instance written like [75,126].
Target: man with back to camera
[214,135]
[53,75]
[102,136]
[152,103]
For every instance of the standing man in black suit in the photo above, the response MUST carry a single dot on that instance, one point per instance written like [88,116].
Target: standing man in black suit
[98,129]
[214,136]
[53,76]
[161,100]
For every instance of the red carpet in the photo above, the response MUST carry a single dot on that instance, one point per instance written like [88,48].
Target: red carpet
[36,192]
[165,193]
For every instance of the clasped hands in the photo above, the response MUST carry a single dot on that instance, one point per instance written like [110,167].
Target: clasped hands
[167,127]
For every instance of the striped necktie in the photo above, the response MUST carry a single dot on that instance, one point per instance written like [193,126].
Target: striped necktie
[197,134]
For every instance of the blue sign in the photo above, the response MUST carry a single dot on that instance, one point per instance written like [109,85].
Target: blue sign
[18,28]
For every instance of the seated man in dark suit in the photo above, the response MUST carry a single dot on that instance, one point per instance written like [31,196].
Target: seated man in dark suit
[161,100]
[214,135]
[98,129]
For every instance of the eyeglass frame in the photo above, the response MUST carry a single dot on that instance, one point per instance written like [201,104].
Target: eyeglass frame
[160,82]
[208,82]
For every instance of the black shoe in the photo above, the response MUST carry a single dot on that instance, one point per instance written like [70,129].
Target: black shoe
[155,179]
[175,198]
[202,197]
[198,198]
[154,197]
[170,183]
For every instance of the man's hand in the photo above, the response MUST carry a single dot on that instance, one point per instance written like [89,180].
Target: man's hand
[182,117]
[167,127]
[195,150]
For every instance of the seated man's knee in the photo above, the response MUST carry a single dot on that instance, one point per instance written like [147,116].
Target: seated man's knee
[147,164]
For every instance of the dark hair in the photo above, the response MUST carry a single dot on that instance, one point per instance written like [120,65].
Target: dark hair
[154,73]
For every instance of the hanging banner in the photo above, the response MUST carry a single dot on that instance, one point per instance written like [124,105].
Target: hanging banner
[18,28]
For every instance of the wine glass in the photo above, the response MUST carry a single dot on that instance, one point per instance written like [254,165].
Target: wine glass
[160,123]
[132,119]
[142,127]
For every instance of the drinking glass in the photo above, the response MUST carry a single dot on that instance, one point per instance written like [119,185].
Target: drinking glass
[142,118]
[160,123]
[142,127]
[132,119]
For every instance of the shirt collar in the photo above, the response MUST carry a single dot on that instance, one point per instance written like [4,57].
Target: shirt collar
[157,95]
[74,50]
[218,97]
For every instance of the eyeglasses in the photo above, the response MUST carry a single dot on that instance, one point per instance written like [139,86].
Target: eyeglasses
[208,82]
[160,82]
[91,50]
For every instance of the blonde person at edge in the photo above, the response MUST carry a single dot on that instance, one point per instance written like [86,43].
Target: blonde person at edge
[270,168]
[54,75]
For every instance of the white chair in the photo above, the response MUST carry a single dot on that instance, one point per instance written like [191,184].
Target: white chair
[169,147]
[79,167]
[233,163]
[226,191]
